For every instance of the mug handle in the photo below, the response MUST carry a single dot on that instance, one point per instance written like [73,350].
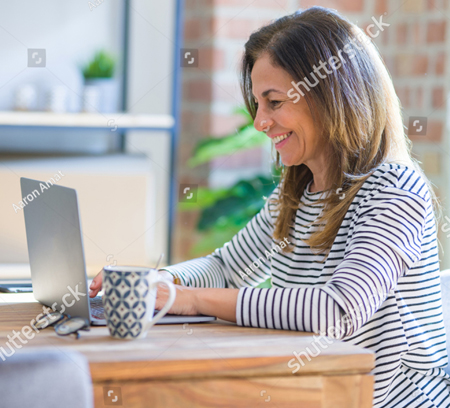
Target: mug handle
[169,303]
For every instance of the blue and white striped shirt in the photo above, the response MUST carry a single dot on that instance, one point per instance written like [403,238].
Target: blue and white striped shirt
[378,288]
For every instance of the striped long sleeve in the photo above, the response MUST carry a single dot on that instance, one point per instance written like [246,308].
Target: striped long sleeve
[386,237]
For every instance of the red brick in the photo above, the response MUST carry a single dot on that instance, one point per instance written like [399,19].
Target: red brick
[402,64]
[207,27]
[182,243]
[402,33]
[189,219]
[385,37]
[190,4]
[436,31]
[416,28]
[196,124]
[184,153]
[440,64]
[420,65]
[411,64]
[211,58]
[438,97]
[434,131]
[381,7]
[193,29]
[198,4]
[340,5]
[199,90]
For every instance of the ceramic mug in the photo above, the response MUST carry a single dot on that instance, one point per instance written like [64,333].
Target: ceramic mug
[129,295]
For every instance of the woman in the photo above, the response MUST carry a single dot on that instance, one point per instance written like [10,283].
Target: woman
[348,236]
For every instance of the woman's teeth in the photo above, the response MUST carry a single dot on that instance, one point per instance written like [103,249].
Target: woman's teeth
[278,139]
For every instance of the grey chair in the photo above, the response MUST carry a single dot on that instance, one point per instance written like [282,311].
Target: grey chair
[445,287]
[45,378]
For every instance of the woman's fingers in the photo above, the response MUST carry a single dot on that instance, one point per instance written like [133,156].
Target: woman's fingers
[184,301]
[96,285]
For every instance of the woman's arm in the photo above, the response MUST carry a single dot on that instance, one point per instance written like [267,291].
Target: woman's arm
[220,303]
[217,302]
[386,239]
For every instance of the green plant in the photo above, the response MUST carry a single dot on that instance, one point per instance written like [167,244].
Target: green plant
[102,66]
[225,211]
[245,138]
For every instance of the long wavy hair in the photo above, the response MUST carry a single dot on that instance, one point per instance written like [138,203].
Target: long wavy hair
[356,106]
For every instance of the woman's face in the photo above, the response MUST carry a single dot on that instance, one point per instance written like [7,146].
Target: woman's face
[278,115]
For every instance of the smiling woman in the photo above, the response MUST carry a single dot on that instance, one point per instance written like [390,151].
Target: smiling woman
[291,126]
[362,261]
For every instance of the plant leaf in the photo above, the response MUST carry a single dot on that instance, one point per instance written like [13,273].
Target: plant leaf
[213,148]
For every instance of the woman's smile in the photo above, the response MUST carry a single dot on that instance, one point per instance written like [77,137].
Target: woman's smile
[281,139]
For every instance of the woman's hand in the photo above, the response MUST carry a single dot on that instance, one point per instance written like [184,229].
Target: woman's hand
[204,301]
[185,301]
[189,301]
[96,284]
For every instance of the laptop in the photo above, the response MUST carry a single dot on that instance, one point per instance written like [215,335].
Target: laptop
[56,255]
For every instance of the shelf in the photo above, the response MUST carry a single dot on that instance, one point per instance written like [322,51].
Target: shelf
[84,121]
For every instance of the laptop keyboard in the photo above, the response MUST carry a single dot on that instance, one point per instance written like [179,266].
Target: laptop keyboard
[97,310]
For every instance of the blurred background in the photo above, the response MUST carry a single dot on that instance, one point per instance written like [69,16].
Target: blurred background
[138,104]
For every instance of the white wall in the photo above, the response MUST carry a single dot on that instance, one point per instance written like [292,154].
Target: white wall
[150,90]
[71,33]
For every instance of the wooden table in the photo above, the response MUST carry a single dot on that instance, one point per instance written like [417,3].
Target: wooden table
[215,364]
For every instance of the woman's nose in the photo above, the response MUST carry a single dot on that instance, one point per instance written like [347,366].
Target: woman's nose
[262,123]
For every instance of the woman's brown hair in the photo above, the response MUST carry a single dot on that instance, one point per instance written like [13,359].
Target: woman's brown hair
[359,110]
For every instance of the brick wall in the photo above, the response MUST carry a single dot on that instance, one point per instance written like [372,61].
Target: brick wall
[219,29]
[415,50]
[413,47]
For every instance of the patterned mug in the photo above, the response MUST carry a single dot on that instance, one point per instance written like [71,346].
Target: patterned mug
[129,295]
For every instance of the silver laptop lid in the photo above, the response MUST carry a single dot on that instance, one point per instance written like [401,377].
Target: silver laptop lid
[55,247]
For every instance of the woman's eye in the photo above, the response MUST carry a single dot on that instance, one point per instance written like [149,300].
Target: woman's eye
[274,104]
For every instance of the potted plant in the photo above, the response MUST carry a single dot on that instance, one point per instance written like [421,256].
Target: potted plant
[101,89]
